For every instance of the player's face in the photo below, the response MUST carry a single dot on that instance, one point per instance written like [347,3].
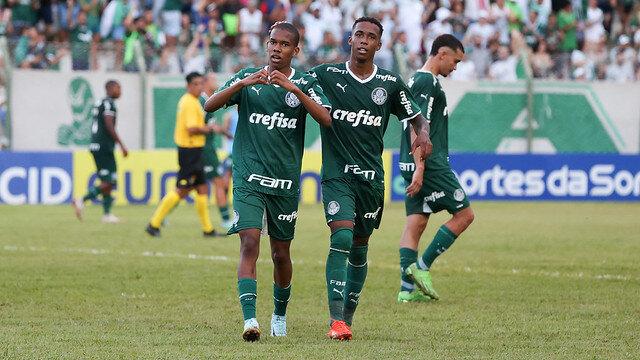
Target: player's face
[281,48]
[449,60]
[365,41]
[116,91]
[196,86]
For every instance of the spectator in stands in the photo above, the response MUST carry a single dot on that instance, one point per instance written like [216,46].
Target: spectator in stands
[541,63]
[459,22]
[593,27]
[504,69]
[581,67]
[621,70]
[81,40]
[482,28]
[329,51]
[478,53]
[474,8]
[314,27]
[112,27]
[24,14]
[250,19]
[499,13]
[542,9]
[171,21]
[410,18]
[567,24]
[229,17]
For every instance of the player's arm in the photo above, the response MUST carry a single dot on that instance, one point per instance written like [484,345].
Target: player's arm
[421,130]
[418,173]
[219,99]
[109,124]
[315,109]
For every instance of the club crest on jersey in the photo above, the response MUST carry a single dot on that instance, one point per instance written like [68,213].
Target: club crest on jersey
[236,217]
[291,100]
[333,207]
[458,195]
[379,95]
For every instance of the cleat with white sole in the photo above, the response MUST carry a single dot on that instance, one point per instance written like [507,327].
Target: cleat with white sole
[278,325]
[251,331]
[110,219]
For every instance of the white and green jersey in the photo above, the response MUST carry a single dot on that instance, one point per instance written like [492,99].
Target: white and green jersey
[269,138]
[433,103]
[101,140]
[353,145]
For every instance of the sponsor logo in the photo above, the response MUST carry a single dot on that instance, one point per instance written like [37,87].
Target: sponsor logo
[21,185]
[314,96]
[372,215]
[257,90]
[458,195]
[333,207]
[94,147]
[361,117]
[342,87]
[300,81]
[379,95]
[271,182]
[407,166]
[355,169]
[337,283]
[386,78]
[410,83]
[404,101]
[434,196]
[291,100]
[336,70]
[288,217]
[275,120]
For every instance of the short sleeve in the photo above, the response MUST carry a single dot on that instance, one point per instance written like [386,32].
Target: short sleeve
[424,93]
[109,108]
[404,105]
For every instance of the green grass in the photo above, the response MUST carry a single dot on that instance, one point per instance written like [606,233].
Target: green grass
[528,280]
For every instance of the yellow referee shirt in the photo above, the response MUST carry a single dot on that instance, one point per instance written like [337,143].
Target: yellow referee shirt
[190,114]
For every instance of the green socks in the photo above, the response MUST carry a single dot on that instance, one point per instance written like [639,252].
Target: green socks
[224,212]
[356,275]
[107,201]
[407,257]
[281,298]
[247,290]
[336,270]
[92,194]
[441,242]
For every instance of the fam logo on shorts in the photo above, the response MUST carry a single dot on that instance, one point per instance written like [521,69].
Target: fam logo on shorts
[291,100]
[379,95]
[333,207]
[236,217]
[458,195]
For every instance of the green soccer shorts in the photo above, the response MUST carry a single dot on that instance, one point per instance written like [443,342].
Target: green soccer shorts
[211,164]
[440,191]
[251,206]
[105,166]
[355,200]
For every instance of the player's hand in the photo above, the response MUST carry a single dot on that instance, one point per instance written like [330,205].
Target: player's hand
[416,182]
[260,77]
[125,152]
[422,142]
[278,78]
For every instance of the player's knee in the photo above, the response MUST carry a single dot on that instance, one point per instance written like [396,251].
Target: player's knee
[466,217]
[249,246]
[342,239]
[280,257]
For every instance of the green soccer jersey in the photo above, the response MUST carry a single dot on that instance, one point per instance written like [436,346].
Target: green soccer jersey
[353,145]
[269,138]
[209,118]
[101,140]
[433,104]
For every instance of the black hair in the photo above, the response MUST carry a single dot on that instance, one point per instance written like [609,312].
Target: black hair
[369,19]
[192,75]
[289,27]
[446,40]
[111,83]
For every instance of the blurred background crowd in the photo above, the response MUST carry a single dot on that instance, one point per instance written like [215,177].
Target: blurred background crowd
[562,39]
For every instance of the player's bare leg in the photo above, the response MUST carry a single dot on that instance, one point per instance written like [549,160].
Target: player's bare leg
[247,286]
[336,274]
[282,272]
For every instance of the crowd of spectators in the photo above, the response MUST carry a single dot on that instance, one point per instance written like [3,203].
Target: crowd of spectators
[562,39]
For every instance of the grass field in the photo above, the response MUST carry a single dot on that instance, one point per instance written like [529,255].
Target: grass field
[528,280]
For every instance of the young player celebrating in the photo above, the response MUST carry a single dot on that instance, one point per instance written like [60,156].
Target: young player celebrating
[103,140]
[273,103]
[363,97]
[440,189]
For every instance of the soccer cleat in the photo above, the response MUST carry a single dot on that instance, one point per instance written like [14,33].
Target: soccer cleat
[412,296]
[278,325]
[251,330]
[110,219]
[212,233]
[78,206]
[153,231]
[422,279]
[339,331]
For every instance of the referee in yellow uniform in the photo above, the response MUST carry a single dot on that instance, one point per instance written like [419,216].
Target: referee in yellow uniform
[189,136]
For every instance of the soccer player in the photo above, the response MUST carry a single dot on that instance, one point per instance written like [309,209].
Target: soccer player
[273,102]
[363,97]
[103,139]
[189,136]
[440,189]
[213,171]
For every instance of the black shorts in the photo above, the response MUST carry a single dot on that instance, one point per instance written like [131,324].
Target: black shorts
[191,173]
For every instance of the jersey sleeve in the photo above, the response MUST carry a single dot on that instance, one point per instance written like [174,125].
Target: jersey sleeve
[109,108]
[425,92]
[235,99]
[315,92]
[403,104]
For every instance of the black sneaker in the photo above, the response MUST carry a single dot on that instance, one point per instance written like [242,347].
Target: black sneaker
[212,233]
[153,231]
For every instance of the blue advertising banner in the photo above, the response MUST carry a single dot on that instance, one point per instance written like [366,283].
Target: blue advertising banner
[35,177]
[541,177]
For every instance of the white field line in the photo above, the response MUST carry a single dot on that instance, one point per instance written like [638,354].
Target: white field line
[221,258]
